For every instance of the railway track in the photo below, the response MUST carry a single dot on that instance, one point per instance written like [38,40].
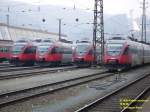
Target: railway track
[32,71]
[142,96]
[10,68]
[5,66]
[115,101]
[13,68]
[15,96]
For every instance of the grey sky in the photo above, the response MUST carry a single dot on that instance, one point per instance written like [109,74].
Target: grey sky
[110,6]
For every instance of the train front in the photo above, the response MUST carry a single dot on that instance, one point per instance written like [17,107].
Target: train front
[83,54]
[42,53]
[116,55]
[22,53]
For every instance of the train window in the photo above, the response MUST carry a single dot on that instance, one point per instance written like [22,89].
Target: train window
[30,50]
[67,51]
[134,50]
[33,49]
[56,50]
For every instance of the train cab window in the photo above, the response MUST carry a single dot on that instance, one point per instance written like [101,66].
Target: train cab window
[114,49]
[81,48]
[29,50]
[17,49]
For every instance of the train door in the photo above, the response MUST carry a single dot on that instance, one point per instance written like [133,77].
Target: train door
[56,53]
[140,54]
[67,55]
[133,53]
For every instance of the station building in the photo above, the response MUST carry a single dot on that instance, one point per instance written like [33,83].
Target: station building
[8,32]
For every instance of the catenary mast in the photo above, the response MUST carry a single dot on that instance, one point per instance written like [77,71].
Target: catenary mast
[98,28]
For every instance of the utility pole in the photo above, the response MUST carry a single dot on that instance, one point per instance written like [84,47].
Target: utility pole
[98,28]
[143,35]
[59,28]
[8,9]
[7,17]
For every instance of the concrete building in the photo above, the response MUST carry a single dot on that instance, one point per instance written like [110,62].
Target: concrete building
[14,33]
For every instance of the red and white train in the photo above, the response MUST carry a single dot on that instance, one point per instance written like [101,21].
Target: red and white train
[125,53]
[23,53]
[83,54]
[50,52]
[5,49]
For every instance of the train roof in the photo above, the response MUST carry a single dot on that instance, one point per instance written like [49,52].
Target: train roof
[43,43]
[128,41]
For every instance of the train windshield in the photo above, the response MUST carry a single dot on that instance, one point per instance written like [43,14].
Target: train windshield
[43,49]
[114,49]
[17,49]
[82,48]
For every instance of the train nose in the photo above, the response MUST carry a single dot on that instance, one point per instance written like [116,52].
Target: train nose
[79,58]
[41,59]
